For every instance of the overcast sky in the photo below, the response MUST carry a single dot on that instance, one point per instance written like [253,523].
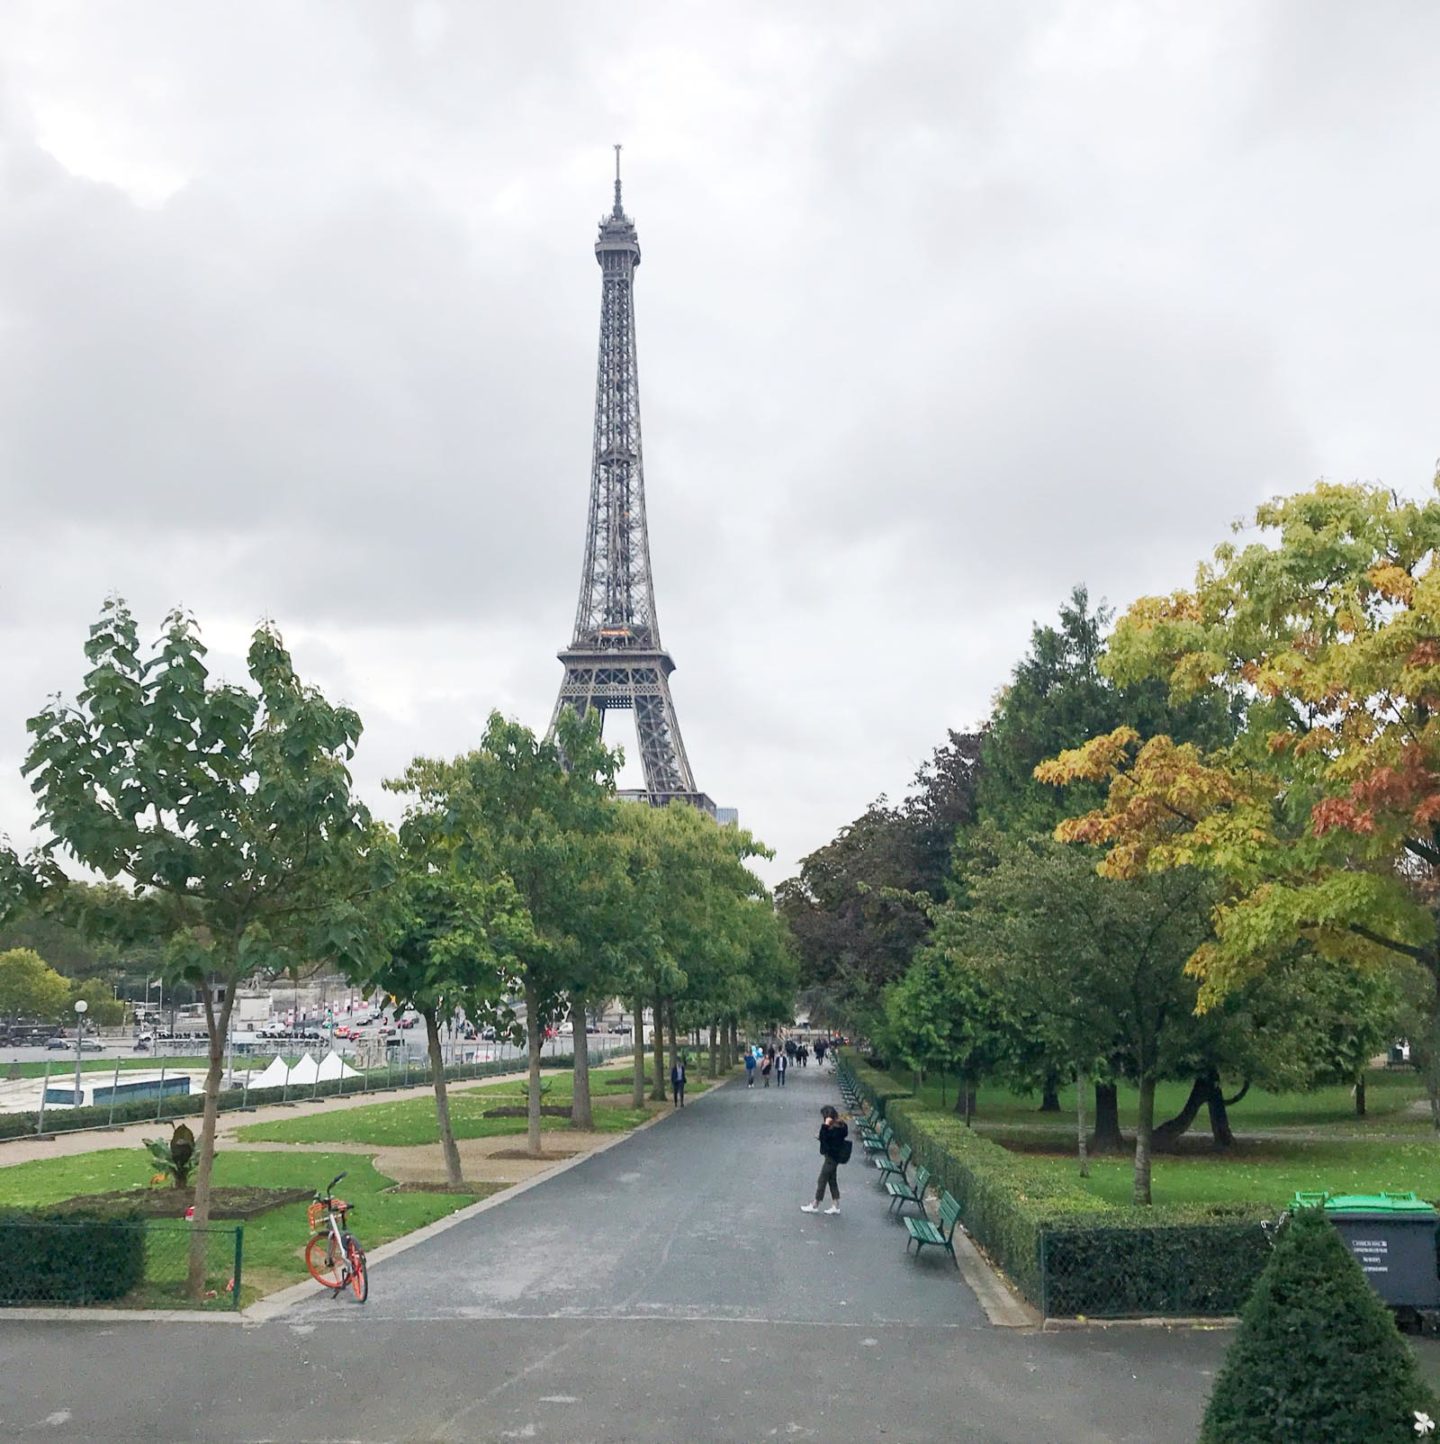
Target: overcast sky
[944,308]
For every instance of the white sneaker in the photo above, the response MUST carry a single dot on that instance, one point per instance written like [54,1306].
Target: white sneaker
[834,1208]
[809,1208]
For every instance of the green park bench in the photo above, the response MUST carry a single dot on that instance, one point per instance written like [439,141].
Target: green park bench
[898,1166]
[923,1233]
[902,1193]
[878,1142]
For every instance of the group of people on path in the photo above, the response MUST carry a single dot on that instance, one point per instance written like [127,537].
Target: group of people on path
[768,1062]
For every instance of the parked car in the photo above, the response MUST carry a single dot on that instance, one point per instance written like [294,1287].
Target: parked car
[59,1044]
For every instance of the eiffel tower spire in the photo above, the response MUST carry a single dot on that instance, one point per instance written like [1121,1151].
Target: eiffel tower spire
[615,659]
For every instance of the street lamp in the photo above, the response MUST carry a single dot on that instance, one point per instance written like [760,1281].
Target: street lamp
[81,1007]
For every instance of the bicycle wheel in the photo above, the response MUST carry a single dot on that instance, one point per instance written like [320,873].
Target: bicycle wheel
[359,1271]
[323,1259]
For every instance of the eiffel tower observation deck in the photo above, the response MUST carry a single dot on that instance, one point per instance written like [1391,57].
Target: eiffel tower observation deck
[616,660]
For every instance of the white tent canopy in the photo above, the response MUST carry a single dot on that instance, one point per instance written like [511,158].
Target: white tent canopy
[334,1066]
[307,1070]
[274,1076]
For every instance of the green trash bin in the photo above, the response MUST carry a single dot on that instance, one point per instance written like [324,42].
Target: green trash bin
[1392,1236]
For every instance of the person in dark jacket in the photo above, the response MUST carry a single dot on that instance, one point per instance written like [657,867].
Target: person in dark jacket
[833,1133]
[677,1082]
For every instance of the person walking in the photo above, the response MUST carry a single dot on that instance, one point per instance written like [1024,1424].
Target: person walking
[749,1068]
[835,1149]
[782,1066]
[766,1065]
[677,1082]
[820,1051]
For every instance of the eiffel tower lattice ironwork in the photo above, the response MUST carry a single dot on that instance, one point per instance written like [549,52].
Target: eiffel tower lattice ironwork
[616,659]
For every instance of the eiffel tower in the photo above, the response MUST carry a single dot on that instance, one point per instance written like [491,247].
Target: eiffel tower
[616,660]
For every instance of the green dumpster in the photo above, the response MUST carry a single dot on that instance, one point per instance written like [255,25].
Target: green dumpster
[1392,1236]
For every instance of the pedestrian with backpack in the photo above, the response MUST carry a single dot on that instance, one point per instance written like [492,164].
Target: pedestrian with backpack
[835,1146]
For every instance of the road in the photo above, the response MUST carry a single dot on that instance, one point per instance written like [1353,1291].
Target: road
[665,1291]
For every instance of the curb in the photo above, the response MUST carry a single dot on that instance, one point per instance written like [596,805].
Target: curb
[1199,1323]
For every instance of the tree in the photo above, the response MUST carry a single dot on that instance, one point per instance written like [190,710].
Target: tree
[1094,968]
[1317,1354]
[1321,818]
[229,812]
[451,936]
[30,987]
[535,811]
[102,1007]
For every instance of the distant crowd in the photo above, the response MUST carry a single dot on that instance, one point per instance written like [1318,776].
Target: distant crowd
[774,1060]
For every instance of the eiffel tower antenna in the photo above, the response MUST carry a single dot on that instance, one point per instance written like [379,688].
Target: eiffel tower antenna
[616,660]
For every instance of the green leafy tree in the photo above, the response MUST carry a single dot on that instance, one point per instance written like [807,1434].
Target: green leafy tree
[228,810]
[30,987]
[538,812]
[1317,1354]
[451,933]
[102,1007]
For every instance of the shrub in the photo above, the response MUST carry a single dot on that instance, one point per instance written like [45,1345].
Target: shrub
[70,1259]
[1070,1252]
[878,1088]
[1317,1355]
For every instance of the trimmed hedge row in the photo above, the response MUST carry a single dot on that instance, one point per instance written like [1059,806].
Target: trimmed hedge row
[71,1259]
[1067,1251]
[182,1105]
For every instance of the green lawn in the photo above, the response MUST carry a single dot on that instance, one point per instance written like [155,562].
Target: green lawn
[411,1121]
[1388,1094]
[273,1242]
[1269,1173]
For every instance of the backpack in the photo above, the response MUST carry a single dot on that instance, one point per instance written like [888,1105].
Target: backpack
[842,1153]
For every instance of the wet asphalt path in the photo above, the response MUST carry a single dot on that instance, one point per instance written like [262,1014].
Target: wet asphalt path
[696,1218]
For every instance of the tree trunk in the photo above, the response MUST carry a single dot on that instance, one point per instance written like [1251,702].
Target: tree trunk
[1081,1083]
[1107,1137]
[714,1051]
[534,1038]
[965,1099]
[580,1116]
[1360,1094]
[1167,1134]
[448,1149]
[1050,1094]
[637,1092]
[1144,1130]
[218,1029]
[674,1045]
[662,1077]
[1219,1106]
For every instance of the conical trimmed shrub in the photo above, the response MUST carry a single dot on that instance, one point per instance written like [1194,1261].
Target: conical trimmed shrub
[1317,1355]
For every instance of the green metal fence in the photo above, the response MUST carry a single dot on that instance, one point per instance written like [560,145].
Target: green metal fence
[117,1262]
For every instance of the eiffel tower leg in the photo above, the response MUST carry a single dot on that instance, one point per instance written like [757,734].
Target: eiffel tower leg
[662,752]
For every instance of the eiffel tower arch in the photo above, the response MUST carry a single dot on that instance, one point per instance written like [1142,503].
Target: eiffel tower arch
[616,661]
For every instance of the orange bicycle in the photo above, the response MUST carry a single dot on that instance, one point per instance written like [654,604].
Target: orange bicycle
[334,1256]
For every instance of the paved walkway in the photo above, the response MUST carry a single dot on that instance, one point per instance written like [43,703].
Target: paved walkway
[667,1290]
[697,1218]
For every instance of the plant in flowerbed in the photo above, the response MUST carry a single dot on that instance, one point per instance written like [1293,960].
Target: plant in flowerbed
[174,1159]
[1317,1355]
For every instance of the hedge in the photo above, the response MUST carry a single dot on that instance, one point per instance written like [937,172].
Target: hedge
[73,1259]
[182,1105]
[879,1089]
[1071,1253]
